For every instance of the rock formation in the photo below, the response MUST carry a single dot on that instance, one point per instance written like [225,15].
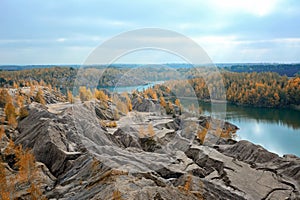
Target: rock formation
[81,159]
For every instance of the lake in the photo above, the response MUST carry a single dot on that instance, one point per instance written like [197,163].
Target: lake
[120,89]
[277,130]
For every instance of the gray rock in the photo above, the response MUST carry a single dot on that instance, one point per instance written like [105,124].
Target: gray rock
[89,162]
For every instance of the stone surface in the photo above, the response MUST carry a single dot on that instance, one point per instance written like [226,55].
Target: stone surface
[88,161]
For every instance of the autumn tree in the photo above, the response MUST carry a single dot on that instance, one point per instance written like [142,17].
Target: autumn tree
[151,131]
[4,97]
[23,113]
[4,189]
[139,100]
[39,97]
[121,106]
[2,131]
[26,166]
[188,183]
[85,94]
[70,96]
[162,101]
[15,85]
[128,101]
[201,134]
[117,195]
[10,113]
[20,100]
[100,95]
[177,102]
[142,132]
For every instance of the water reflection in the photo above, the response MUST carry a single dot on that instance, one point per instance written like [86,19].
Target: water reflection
[282,117]
[277,130]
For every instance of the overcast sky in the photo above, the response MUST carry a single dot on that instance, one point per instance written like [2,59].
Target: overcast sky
[66,32]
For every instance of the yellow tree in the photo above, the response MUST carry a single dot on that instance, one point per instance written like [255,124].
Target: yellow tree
[162,101]
[188,182]
[26,164]
[15,85]
[85,94]
[39,97]
[4,97]
[23,112]
[139,100]
[4,191]
[100,95]
[177,102]
[20,100]
[151,131]
[117,195]
[201,134]
[10,113]
[128,101]
[2,131]
[70,96]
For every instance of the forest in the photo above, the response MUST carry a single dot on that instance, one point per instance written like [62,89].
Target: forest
[289,70]
[264,89]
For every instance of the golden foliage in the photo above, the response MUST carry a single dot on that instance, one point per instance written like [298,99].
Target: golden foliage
[23,112]
[116,195]
[4,189]
[26,173]
[128,101]
[10,113]
[121,106]
[85,94]
[26,164]
[188,182]
[4,97]
[2,131]
[151,131]
[177,102]
[39,97]
[139,100]
[100,95]
[70,97]
[162,101]
[20,101]
[202,134]
[142,132]
[35,192]
[111,124]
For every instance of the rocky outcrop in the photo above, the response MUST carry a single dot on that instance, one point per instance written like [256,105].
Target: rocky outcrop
[90,162]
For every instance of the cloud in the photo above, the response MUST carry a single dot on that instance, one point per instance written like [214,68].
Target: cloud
[254,7]
[227,29]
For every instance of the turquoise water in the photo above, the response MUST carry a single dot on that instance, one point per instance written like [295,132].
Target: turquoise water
[120,89]
[277,130]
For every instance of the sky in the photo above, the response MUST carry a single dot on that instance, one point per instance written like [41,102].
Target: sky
[66,32]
